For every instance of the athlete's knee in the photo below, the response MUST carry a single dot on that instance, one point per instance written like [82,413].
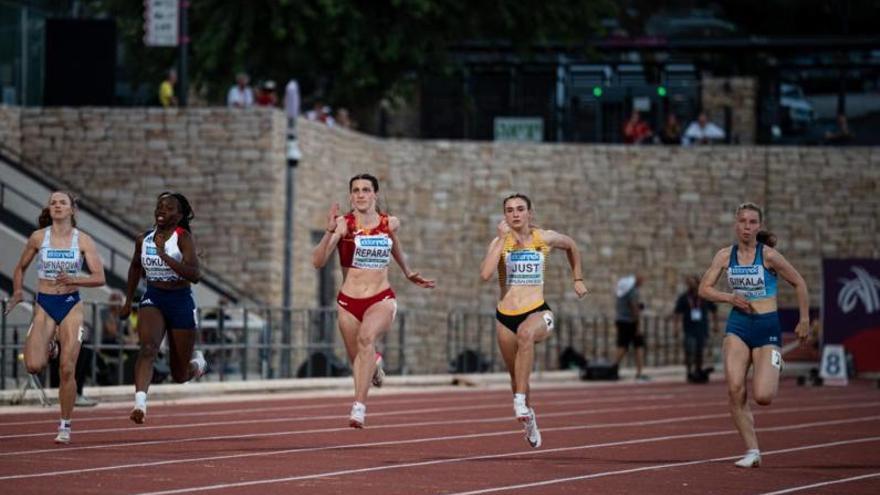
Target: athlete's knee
[67,371]
[148,350]
[35,365]
[736,392]
[366,342]
[764,397]
[525,338]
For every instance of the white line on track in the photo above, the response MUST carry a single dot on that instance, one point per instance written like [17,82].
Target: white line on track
[656,467]
[420,440]
[378,401]
[337,416]
[447,423]
[546,451]
[824,483]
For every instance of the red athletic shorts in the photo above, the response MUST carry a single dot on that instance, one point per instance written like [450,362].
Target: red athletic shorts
[357,307]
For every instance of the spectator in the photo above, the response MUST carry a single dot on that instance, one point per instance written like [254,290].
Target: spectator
[344,119]
[671,133]
[694,312]
[115,334]
[166,90]
[321,113]
[266,96]
[841,135]
[629,311]
[636,130]
[701,131]
[240,95]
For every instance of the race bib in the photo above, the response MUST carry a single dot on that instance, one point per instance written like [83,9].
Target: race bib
[371,252]
[525,267]
[747,280]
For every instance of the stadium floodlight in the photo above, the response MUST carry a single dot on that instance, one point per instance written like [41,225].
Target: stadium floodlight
[597,91]
[661,91]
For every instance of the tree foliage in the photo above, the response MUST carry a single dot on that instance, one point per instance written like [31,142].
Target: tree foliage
[346,51]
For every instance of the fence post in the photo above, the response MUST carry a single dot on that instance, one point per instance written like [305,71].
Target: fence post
[2,335]
[246,335]
[401,349]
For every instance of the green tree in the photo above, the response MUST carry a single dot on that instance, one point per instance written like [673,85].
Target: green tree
[349,52]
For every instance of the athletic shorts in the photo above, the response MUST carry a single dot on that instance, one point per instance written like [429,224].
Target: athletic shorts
[359,306]
[756,330]
[512,322]
[177,306]
[628,334]
[57,306]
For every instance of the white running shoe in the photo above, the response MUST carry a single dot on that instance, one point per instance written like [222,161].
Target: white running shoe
[358,415]
[198,358]
[752,459]
[520,409]
[379,374]
[83,401]
[530,425]
[63,436]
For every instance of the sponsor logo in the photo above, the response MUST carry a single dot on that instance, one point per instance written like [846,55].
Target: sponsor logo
[865,288]
[146,302]
[516,256]
[60,254]
[379,241]
[151,250]
[70,299]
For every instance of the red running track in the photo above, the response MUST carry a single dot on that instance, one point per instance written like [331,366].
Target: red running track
[655,438]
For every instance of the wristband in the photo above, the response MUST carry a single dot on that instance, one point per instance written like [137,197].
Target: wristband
[578,280]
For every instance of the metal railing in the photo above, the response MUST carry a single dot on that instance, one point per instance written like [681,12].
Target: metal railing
[244,343]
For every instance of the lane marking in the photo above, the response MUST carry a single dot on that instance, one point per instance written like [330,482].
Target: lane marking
[824,483]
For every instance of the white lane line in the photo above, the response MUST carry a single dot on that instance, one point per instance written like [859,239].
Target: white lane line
[140,443]
[401,442]
[539,452]
[338,416]
[376,402]
[662,466]
[824,483]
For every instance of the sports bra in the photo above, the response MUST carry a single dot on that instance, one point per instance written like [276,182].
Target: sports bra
[367,249]
[522,265]
[53,261]
[155,267]
[753,281]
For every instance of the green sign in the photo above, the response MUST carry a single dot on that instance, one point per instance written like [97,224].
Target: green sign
[519,129]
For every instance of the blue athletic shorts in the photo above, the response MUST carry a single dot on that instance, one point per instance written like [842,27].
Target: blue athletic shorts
[177,306]
[756,330]
[57,306]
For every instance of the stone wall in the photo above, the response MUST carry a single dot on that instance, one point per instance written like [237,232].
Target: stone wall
[740,95]
[663,211]
[230,165]
[10,129]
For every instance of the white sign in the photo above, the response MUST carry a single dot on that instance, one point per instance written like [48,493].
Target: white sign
[161,22]
[519,129]
[833,368]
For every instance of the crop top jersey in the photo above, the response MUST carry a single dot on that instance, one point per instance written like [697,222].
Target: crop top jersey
[155,267]
[753,281]
[367,249]
[53,261]
[522,265]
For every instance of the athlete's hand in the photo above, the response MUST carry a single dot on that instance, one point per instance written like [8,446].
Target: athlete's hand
[580,289]
[159,241]
[16,298]
[64,281]
[331,217]
[740,303]
[802,330]
[503,229]
[125,310]
[416,278]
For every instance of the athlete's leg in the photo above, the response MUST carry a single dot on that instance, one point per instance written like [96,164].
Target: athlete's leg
[180,344]
[507,346]
[533,330]
[70,337]
[737,359]
[36,345]
[377,321]
[151,330]
[765,381]
[348,328]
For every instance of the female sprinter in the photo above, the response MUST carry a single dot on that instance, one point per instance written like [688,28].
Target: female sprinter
[60,248]
[753,332]
[367,241]
[166,256]
[519,253]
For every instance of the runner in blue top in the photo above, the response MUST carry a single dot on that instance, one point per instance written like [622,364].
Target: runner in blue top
[753,332]
[60,249]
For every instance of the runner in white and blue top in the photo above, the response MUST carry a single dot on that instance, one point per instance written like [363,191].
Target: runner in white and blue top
[60,250]
[166,257]
[753,333]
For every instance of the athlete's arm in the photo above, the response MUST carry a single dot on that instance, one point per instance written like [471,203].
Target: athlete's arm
[336,229]
[188,266]
[493,254]
[710,278]
[566,243]
[135,269]
[773,259]
[31,248]
[400,257]
[93,261]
